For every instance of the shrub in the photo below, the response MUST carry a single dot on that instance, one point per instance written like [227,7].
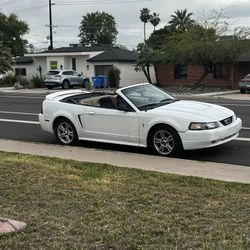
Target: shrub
[114,77]
[22,83]
[37,81]
[8,80]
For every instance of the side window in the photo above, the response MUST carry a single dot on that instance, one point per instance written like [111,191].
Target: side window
[180,71]
[221,71]
[67,73]
[20,71]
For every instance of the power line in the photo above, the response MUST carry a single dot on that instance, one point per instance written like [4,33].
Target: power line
[31,8]
[103,2]
[10,2]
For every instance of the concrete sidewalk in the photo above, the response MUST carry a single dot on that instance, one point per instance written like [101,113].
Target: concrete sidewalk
[217,171]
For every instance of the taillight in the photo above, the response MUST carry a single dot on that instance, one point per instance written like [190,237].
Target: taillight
[57,76]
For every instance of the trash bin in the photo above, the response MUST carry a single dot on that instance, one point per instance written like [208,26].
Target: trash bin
[100,81]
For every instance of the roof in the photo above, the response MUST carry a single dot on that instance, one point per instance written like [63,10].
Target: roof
[115,54]
[74,49]
[24,60]
[109,53]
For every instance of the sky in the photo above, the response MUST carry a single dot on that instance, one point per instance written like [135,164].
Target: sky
[67,15]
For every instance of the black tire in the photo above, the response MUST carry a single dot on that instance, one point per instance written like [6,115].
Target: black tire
[50,87]
[65,84]
[242,91]
[65,132]
[164,140]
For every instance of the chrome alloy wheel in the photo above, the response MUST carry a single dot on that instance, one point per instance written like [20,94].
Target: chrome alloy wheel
[65,133]
[163,142]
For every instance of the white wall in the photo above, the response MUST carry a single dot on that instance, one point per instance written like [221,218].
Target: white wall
[129,76]
[31,69]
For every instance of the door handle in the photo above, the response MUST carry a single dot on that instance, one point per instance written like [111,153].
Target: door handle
[91,113]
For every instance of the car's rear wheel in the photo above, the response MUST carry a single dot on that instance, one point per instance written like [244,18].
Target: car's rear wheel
[65,84]
[165,141]
[65,132]
[50,87]
[243,91]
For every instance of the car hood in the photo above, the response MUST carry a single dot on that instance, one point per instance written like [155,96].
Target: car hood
[193,109]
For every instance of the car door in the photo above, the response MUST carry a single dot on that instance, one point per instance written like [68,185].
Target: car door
[110,125]
[77,78]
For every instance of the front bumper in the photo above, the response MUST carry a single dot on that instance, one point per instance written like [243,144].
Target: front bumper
[244,85]
[210,138]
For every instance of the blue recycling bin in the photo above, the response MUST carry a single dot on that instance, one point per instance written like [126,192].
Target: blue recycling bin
[100,81]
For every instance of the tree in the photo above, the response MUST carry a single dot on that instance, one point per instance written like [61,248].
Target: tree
[5,59]
[11,32]
[145,17]
[114,77]
[98,28]
[155,19]
[145,60]
[203,46]
[159,37]
[181,21]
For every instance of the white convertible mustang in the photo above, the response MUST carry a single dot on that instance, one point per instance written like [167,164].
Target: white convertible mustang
[139,115]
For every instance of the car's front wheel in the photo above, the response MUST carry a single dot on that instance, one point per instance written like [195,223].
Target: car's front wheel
[65,132]
[165,141]
[243,91]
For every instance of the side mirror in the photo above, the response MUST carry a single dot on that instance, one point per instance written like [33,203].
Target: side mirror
[123,107]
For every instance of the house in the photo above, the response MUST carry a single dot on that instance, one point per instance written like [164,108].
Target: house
[225,75]
[89,61]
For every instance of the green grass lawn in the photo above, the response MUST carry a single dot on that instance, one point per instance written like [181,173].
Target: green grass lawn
[77,205]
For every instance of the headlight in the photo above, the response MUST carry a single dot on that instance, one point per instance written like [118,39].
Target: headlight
[203,125]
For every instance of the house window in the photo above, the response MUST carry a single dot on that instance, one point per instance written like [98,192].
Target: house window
[20,71]
[180,71]
[221,71]
[73,63]
[53,65]
[102,69]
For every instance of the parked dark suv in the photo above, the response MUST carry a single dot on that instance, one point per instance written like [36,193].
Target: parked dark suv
[64,78]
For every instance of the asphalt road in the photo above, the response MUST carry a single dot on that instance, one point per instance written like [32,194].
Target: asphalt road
[19,121]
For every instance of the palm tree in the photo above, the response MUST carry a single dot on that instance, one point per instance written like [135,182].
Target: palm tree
[155,19]
[145,17]
[181,20]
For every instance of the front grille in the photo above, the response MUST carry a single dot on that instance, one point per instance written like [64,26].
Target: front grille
[227,121]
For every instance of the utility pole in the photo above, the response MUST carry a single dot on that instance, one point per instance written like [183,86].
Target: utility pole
[50,27]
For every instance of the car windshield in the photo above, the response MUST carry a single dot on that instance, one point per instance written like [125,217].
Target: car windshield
[147,96]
